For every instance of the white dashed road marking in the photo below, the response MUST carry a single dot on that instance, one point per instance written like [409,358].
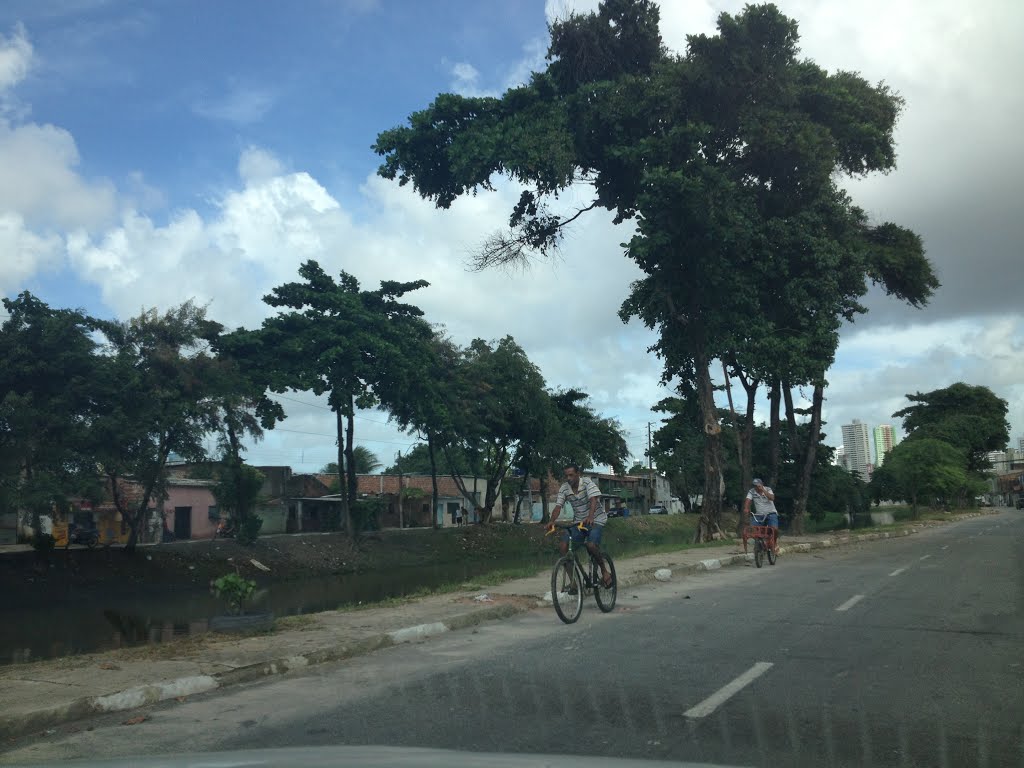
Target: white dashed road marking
[898,571]
[850,603]
[726,692]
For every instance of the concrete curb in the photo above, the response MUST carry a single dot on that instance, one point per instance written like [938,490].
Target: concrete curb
[138,696]
[13,726]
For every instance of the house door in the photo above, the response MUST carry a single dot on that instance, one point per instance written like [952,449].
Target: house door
[183,522]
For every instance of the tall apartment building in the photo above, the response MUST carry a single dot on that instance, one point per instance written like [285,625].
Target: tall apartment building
[885,440]
[858,448]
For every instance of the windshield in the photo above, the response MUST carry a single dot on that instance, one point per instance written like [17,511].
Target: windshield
[619,379]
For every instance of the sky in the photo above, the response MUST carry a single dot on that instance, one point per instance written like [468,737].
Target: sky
[172,150]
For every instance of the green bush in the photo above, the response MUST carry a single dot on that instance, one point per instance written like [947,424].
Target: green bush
[235,589]
[249,529]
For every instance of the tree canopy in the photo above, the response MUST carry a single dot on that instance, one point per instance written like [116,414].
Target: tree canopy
[725,158]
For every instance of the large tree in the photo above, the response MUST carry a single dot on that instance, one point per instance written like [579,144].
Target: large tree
[331,337]
[159,386]
[726,159]
[971,418]
[921,469]
[48,400]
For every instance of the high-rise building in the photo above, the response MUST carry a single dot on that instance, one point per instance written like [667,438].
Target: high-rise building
[1020,444]
[885,441]
[841,458]
[858,448]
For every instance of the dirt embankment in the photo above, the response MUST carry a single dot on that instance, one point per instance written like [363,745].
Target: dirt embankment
[25,578]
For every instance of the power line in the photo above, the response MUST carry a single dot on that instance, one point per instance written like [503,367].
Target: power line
[325,407]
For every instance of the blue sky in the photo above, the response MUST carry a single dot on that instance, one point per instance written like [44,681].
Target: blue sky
[151,153]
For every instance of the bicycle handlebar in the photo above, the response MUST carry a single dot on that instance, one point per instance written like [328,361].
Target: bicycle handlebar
[566,526]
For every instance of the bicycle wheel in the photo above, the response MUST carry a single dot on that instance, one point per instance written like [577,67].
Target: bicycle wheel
[772,557]
[758,553]
[605,596]
[565,579]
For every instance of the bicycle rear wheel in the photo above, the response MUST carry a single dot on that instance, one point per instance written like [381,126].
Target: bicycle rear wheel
[605,596]
[565,580]
[758,553]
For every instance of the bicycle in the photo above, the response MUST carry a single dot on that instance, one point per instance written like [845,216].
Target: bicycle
[765,540]
[570,582]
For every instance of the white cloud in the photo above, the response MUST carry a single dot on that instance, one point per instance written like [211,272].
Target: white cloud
[25,253]
[16,55]
[241,104]
[39,180]
[465,79]
[257,164]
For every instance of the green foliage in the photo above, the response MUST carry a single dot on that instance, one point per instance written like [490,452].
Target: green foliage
[237,493]
[48,399]
[970,418]
[249,529]
[366,513]
[728,160]
[920,469]
[361,348]
[236,591]
[160,388]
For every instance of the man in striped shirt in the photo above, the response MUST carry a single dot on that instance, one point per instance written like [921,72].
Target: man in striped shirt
[584,496]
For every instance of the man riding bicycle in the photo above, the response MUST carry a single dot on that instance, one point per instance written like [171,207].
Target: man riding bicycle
[584,495]
[764,507]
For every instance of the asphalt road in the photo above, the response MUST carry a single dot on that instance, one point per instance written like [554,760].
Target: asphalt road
[905,652]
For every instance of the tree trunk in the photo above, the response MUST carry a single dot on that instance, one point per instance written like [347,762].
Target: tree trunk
[804,483]
[236,466]
[750,387]
[545,516]
[350,458]
[433,480]
[774,430]
[711,509]
[795,448]
[346,517]
[401,496]
[519,500]
[740,456]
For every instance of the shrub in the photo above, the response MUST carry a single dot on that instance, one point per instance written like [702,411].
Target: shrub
[235,589]
[249,529]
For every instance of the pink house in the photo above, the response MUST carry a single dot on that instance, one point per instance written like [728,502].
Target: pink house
[190,511]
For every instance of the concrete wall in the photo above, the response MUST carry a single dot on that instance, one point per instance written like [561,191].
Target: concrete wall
[200,499]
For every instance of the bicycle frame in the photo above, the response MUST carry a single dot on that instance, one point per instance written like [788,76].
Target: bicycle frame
[591,578]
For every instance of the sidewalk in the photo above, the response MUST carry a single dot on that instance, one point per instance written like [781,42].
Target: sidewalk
[43,694]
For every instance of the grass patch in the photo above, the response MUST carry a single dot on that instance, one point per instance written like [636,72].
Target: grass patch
[832,521]
[300,623]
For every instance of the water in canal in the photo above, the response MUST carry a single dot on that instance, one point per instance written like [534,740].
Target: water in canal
[97,623]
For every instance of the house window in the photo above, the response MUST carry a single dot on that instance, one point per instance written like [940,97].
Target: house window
[213,512]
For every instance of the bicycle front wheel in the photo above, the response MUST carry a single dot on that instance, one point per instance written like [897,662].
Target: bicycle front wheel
[567,590]
[758,553]
[772,557]
[605,596]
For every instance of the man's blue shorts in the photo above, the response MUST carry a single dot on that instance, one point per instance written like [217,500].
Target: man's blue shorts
[771,520]
[578,537]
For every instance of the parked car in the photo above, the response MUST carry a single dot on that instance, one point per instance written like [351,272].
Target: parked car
[658,509]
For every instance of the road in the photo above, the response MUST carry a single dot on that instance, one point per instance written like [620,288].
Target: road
[903,652]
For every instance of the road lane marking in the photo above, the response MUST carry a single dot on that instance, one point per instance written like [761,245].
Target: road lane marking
[727,691]
[945,546]
[898,571]
[850,603]
[924,557]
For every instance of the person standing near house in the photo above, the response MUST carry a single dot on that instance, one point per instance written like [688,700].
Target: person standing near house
[763,498]
[460,515]
[584,496]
